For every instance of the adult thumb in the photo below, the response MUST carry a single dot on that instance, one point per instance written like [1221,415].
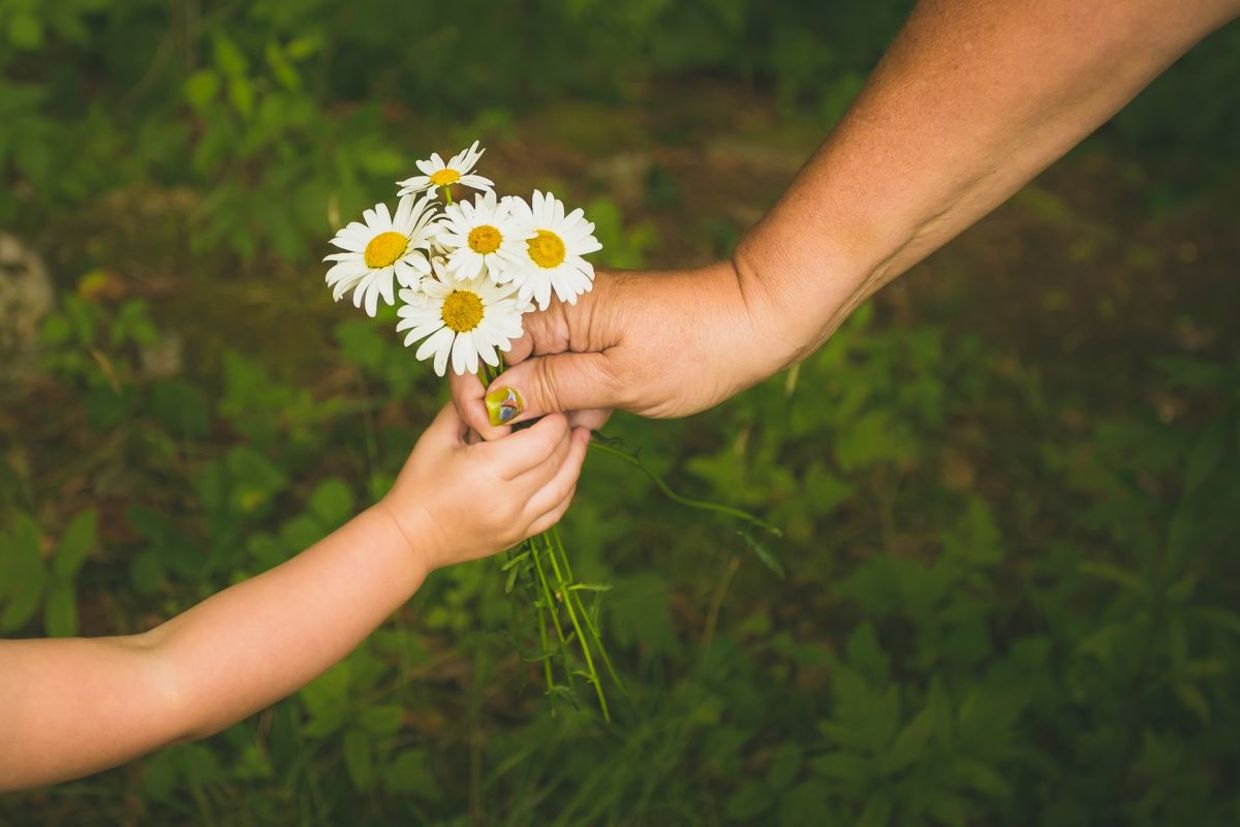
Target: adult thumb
[557,382]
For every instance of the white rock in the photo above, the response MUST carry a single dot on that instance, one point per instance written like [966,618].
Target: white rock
[25,298]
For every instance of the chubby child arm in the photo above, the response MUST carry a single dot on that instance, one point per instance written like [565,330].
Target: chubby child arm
[73,706]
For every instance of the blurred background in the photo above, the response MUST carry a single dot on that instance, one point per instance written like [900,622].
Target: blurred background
[1009,487]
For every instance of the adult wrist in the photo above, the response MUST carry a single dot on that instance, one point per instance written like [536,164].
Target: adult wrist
[799,288]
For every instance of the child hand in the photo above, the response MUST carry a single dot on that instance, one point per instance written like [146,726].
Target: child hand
[455,502]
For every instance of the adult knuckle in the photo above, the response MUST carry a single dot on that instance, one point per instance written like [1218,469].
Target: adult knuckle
[619,381]
[547,382]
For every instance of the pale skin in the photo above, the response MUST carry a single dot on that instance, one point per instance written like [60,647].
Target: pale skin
[973,99]
[69,707]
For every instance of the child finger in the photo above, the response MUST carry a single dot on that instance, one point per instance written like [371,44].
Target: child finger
[561,485]
[532,479]
[521,451]
[553,516]
[447,429]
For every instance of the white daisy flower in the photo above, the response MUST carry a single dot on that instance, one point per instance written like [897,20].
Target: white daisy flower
[552,255]
[383,247]
[458,170]
[465,318]
[482,239]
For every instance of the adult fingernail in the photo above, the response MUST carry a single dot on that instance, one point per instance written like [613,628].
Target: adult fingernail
[504,404]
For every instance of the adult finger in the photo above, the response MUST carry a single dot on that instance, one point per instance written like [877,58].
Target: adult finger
[591,419]
[559,382]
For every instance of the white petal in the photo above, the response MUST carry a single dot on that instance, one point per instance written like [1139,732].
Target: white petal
[441,341]
[386,288]
[460,350]
[384,217]
[372,297]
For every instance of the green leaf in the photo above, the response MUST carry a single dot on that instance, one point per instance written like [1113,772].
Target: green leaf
[786,766]
[1194,700]
[590,587]
[25,31]
[359,760]
[146,571]
[866,654]
[78,541]
[300,533]
[877,812]
[752,800]
[304,46]
[281,67]
[948,808]
[381,719]
[410,773]
[201,88]
[764,553]
[361,343]
[27,575]
[198,764]
[181,408]
[159,775]
[228,57]
[909,745]
[1114,574]
[638,609]
[844,767]
[871,439]
[863,718]
[514,561]
[60,610]
[1206,456]
[982,778]
[241,94]
[332,502]
[975,539]
[807,805]
[253,478]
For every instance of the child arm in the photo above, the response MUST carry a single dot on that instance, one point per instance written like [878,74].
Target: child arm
[73,706]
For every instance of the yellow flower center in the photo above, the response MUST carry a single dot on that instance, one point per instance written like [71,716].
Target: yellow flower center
[462,311]
[547,249]
[444,177]
[384,249]
[484,239]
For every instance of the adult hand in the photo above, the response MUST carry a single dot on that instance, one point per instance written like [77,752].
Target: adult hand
[971,101]
[658,344]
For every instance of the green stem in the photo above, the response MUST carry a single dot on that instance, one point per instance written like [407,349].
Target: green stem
[573,594]
[609,445]
[548,674]
[555,615]
[572,616]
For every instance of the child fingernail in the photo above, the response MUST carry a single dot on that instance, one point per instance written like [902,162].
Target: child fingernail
[504,404]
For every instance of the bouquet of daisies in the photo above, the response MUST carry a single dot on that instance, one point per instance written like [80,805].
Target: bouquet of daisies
[467,271]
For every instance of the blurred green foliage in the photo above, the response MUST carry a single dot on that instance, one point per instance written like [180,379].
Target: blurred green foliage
[1010,591]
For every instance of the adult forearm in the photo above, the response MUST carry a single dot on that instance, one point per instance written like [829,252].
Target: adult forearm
[973,99]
